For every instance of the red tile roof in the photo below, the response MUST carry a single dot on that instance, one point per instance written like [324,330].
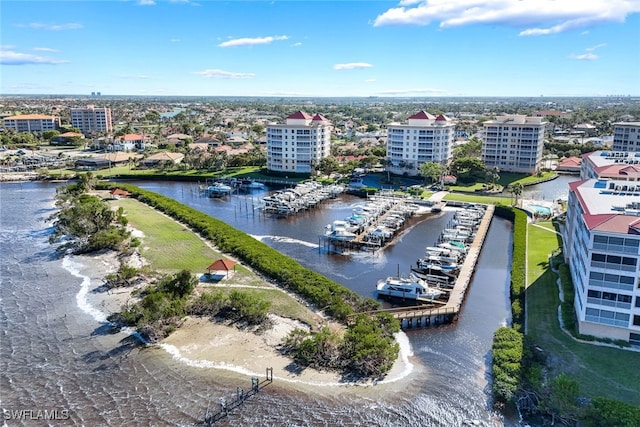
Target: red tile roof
[131,137]
[319,117]
[570,161]
[31,117]
[594,221]
[301,115]
[442,118]
[422,115]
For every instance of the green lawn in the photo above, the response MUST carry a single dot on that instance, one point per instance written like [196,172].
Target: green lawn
[600,371]
[472,198]
[169,247]
[507,178]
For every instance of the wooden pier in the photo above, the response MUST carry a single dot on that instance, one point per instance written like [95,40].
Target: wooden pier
[225,406]
[359,242]
[421,316]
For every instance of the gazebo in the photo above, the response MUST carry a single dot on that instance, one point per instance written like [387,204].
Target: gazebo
[222,265]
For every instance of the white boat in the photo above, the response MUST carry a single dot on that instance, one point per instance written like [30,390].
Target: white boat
[249,184]
[407,287]
[437,263]
[434,250]
[341,230]
[341,234]
[218,189]
[454,246]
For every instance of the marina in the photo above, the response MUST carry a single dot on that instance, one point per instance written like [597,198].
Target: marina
[439,272]
[87,365]
[302,197]
[371,226]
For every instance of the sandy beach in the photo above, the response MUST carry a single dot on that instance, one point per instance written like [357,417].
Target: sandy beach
[207,344]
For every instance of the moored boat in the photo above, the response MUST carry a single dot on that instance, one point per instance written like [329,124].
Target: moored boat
[407,287]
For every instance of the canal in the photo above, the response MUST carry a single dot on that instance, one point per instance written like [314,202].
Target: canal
[457,356]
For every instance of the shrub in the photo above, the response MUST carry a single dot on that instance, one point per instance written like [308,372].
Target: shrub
[603,412]
[507,353]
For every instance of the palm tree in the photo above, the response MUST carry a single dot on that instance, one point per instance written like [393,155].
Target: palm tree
[516,189]
[387,165]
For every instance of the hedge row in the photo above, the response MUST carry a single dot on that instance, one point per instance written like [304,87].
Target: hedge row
[507,353]
[508,343]
[325,294]
[518,262]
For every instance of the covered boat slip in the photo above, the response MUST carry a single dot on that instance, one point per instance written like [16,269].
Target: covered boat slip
[421,316]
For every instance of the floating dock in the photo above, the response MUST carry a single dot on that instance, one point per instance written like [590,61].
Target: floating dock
[422,316]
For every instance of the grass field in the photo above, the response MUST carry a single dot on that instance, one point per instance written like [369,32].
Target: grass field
[600,370]
[169,247]
[471,198]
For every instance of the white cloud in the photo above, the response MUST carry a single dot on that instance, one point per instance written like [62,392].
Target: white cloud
[585,56]
[45,49]
[538,17]
[370,80]
[248,41]
[10,57]
[589,55]
[221,74]
[598,46]
[352,66]
[175,40]
[410,92]
[52,27]
[146,3]
[297,44]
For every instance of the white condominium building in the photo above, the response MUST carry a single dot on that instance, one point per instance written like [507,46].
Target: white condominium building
[301,140]
[626,136]
[619,165]
[92,119]
[31,123]
[423,138]
[602,248]
[513,143]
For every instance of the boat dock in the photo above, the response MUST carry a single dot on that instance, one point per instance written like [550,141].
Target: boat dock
[377,230]
[446,312]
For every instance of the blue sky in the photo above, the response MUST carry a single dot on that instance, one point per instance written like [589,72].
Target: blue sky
[321,48]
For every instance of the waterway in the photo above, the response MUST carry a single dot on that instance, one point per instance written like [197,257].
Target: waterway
[551,190]
[56,353]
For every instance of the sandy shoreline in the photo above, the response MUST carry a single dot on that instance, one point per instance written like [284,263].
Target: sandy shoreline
[200,342]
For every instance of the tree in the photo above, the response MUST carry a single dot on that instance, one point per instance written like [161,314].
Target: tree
[50,134]
[516,189]
[180,284]
[473,148]
[387,165]
[469,169]
[87,182]
[493,175]
[327,165]
[432,170]
[561,400]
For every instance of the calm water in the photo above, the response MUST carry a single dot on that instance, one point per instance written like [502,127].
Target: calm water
[552,190]
[56,354]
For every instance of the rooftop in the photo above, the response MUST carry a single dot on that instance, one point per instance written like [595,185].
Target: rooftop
[609,205]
